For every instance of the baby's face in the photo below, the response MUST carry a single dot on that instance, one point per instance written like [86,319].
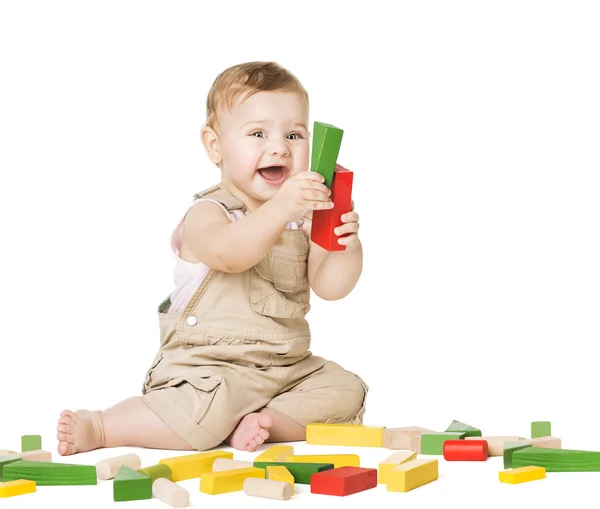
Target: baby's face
[263,142]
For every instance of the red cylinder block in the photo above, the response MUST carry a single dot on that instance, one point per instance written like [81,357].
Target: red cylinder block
[465,450]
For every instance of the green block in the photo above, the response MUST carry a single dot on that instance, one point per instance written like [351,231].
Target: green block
[131,485]
[541,429]
[510,448]
[5,460]
[433,443]
[156,471]
[470,431]
[557,460]
[327,140]
[51,474]
[300,471]
[31,443]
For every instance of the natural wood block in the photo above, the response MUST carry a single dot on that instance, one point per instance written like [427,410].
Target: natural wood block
[356,435]
[400,438]
[301,472]
[338,460]
[412,474]
[131,485]
[541,429]
[221,464]
[546,442]
[343,481]
[470,431]
[267,488]
[170,493]
[496,443]
[108,468]
[433,443]
[523,474]
[280,473]
[31,443]
[276,453]
[227,481]
[36,455]
[191,466]
[14,488]
[50,474]
[556,460]
[6,452]
[392,461]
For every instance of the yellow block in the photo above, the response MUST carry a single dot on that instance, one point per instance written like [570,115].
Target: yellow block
[280,473]
[522,474]
[192,466]
[393,461]
[344,434]
[226,481]
[276,453]
[20,487]
[338,460]
[412,474]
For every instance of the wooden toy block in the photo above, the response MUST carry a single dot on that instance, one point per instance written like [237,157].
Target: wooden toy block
[495,443]
[338,460]
[470,431]
[267,488]
[157,471]
[108,468]
[221,464]
[228,481]
[36,455]
[325,221]
[6,452]
[276,453]
[34,443]
[5,460]
[555,460]
[280,474]
[393,461]
[192,466]
[546,442]
[523,474]
[400,438]
[50,474]
[541,429]
[412,474]
[356,435]
[510,448]
[14,488]
[465,450]
[131,485]
[300,471]
[170,493]
[433,443]
[327,140]
[343,481]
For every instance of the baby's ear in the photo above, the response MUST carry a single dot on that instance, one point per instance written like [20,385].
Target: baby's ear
[210,140]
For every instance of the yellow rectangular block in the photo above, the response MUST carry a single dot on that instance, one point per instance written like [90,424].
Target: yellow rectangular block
[338,460]
[522,474]
[13,488]
[412,474]
[393,461]
[280,473]
[192,466]
[356,435]
[227,481]
[276,453]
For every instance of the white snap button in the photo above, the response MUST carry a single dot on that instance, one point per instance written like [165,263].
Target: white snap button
[192,320]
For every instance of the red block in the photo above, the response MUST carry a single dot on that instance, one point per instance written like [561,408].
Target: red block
[343,481]
[465,450]
[324,221]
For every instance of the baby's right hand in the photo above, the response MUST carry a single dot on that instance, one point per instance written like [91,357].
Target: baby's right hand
[301,194]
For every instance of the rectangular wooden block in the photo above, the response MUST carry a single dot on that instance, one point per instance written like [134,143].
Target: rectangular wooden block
[14,488]
[131,485]
[400,438]
[6,452]
[541,429]
[469,431]
[276,453]
[338,460]
[343,481]
[5,460]
[50,474]
[412,474]
[228,481]
[433,443]
[221,464]
[557,460]
[344,434]
[281,474]
[31,443]
[393,461]
[327,141]
[523,474]
[192,466]
[546,442]
[36,455]
[300,471]
[496,443]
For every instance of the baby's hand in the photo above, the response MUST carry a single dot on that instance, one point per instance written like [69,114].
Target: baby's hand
[350,227]
[301,194]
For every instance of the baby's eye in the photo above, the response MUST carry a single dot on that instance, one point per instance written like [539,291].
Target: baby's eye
[297,136]
[257,132]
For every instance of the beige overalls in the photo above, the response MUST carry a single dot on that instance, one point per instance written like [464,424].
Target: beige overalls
[242,344]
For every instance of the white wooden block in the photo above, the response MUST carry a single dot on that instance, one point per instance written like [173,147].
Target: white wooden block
[107,469]
[170,492]
[267,488]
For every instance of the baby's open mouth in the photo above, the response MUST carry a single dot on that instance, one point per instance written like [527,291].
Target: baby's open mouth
[273,174]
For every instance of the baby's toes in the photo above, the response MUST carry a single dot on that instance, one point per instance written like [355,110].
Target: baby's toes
[252,445]
[264,434]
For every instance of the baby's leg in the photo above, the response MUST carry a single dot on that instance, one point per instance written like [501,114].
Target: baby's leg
[129,423]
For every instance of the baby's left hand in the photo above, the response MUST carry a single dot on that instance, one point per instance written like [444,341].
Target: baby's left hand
[350,226]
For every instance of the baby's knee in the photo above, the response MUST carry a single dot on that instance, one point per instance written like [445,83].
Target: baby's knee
[348,403]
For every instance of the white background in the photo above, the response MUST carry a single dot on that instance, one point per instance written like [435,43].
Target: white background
[472,129]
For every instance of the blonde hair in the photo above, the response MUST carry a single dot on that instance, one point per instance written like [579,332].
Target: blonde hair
[248,78]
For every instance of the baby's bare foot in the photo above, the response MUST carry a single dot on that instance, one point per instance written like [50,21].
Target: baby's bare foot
[79,431]
[250,432]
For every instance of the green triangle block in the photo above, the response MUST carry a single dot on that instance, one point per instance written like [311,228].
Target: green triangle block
[51,474]
[5,460]
[510,448]
[131,485]
[327,140]
[469,431]
[557,460]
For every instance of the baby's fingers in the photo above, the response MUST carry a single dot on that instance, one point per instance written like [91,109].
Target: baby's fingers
[346,228]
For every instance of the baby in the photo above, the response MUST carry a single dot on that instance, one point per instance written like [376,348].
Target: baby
[234,364]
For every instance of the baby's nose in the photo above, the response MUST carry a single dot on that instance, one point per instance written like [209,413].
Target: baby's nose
[278,146]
